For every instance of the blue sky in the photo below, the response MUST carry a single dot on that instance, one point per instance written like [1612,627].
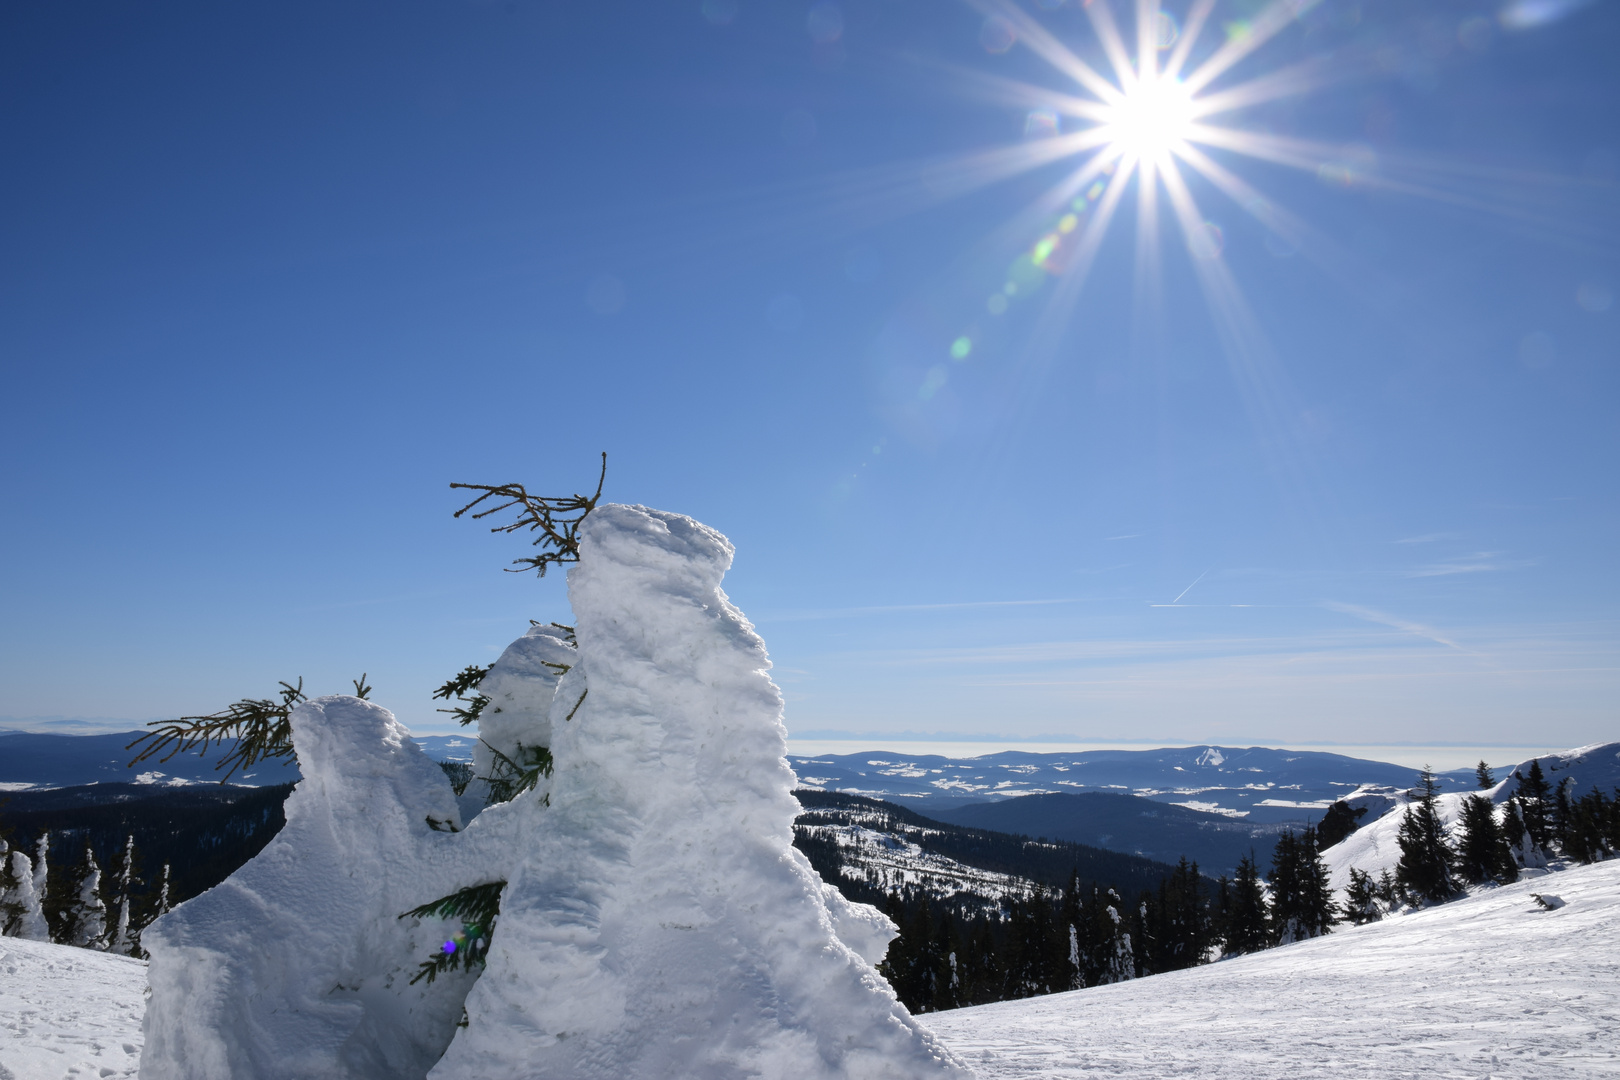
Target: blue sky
[273,277]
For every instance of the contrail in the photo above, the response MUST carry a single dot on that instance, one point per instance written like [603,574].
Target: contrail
[1189,588]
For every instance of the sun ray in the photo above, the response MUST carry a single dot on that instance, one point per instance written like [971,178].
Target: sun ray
[1108,35]
[1247,39]
[1291,81]
[1039,40]
[1147,39]
[1196,17]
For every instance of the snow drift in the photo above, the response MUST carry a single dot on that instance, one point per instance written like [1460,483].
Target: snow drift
[655,920]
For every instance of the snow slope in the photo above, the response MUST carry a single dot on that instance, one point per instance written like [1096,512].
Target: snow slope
[1374,847]
[1489,986]
[67,1012]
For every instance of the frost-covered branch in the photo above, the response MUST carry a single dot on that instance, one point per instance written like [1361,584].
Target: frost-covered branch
[556,519]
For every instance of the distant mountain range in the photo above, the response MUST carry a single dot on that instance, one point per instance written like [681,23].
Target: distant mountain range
[1209,803]
[1255,783]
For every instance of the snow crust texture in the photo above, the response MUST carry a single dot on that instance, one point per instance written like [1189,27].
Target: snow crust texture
[1490,986]
[67,1012]
[296,966]
[661,923]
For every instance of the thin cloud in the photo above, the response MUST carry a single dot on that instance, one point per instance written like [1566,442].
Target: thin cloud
[889,609]
[1427,538]
[1392,621]
[1480,562]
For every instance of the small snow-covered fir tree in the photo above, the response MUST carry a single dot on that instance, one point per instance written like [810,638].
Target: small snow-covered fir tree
[1424,872]
[21,912]
[119,939]
[87,916]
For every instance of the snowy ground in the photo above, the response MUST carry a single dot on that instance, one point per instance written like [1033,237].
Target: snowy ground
[67,1012]
[1490,986]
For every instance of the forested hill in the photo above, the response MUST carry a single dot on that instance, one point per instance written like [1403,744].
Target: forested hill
[1154,830]
[915,847]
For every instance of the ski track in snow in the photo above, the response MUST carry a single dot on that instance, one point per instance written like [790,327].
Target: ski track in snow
[1489,986]
[68,1013]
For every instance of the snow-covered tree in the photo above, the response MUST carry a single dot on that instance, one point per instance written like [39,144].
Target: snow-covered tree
[1424,873]
[648,915]
[119,939]
[21,912]
[87,914]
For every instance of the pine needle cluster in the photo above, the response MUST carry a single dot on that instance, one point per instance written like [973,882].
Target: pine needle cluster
[476,907]
[261,728]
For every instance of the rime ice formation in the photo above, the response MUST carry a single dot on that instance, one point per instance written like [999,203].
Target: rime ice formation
[297,967]
[520,687]
[661,923]
[657,921]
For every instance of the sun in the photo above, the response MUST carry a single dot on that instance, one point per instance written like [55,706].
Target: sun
[1151,120]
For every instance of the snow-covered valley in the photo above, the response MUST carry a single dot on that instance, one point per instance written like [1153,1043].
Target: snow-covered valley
[1488,986]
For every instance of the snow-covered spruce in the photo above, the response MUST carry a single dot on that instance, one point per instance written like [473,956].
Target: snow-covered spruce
[662,924]
[657,921]
[296,967]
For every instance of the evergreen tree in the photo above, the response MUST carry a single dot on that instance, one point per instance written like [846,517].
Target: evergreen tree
[21,915]
[121,940]
[87,917]
[1247,923]
[1301,902]
[1119,961]
[1424,873]
[1183,925]
[1220,917]
[1534,797]
[1521,847]
[1562,812]
[1361,899]
[1339,822]
[1586,834]
[1483,777]
[1482,849]
[1072,921]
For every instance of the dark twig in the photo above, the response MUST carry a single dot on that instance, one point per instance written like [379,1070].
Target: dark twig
[556,519]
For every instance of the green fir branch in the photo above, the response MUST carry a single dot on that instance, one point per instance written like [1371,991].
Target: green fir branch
[508,778]
[476,907]
[262,729]
[458,687]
